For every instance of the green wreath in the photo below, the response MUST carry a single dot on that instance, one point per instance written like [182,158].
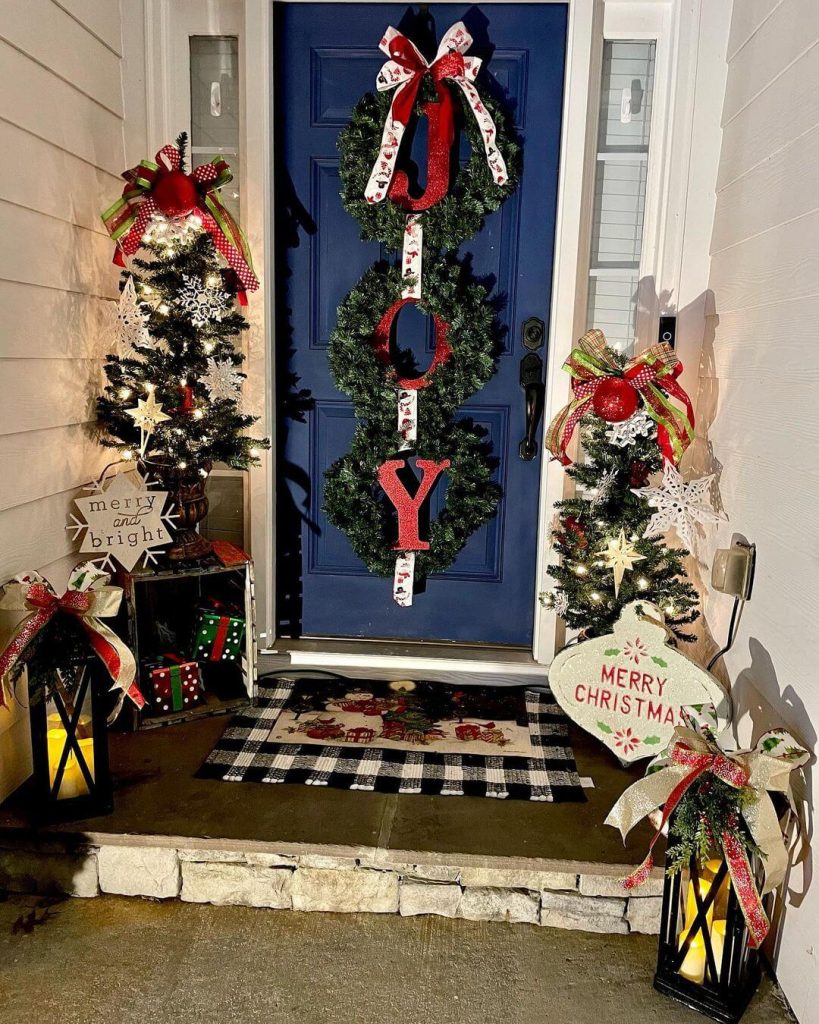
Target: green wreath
[353,499]
[472,194]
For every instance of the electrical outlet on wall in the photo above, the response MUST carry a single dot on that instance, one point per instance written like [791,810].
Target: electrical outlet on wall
[733,569]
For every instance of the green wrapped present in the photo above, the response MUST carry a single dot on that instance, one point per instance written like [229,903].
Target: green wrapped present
[218,636]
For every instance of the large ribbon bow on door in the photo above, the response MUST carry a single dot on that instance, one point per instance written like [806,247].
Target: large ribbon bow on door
[693,752]
[653,375]
[404,72]
[89,599]
[127,219]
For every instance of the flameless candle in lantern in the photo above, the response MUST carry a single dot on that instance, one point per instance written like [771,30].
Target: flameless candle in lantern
[704,959]
[69,743]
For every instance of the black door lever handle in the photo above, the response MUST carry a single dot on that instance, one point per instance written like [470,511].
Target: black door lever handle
[531,379]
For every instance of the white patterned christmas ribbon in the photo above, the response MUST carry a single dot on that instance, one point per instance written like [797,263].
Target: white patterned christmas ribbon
[404,72]
[404,579]
[412,257]
[407,417]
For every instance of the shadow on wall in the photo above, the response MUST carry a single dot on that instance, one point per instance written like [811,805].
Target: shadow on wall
[754,713]
[696,331]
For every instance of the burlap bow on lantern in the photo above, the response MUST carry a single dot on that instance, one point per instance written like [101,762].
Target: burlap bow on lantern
[653,375]
[765,769]
[90,599]
[127,219]
[404,72]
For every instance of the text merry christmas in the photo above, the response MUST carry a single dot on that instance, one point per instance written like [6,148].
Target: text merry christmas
[630,693]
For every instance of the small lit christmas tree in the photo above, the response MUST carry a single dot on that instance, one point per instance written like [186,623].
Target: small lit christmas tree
[606,561]
[172,401]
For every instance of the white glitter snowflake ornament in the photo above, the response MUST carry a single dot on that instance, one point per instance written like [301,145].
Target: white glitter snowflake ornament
[560,603]
[624,434]
[202,303]
[679,504]
[224,384]
[603,489]
[127,328]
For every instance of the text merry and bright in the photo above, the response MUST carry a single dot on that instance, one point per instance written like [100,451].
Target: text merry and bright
[629,692]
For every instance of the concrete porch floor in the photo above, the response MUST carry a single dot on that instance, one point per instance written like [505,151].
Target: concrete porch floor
[157,796]
[128,961]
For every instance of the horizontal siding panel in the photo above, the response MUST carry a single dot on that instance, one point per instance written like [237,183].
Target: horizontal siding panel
[34,400]
[746,18]
[42,323]
[100,17]
[790,30]
[34,99]
[777,265]
[38,463]
[55,254]
[57,41]
[788,108]
[767,342]
[64,186]
[35,534]
[757,421]
[779,189]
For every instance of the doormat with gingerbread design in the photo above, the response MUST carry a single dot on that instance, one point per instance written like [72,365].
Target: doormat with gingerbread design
[402,738]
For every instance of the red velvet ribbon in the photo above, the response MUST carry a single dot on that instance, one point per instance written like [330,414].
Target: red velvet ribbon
[440,115]
[381,344]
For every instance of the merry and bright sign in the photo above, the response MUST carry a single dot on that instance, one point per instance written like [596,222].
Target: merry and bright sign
[628,688]
[123,520]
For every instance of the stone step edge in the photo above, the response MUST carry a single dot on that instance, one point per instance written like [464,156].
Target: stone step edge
[514,891]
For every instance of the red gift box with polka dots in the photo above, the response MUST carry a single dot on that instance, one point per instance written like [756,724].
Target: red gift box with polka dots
[175,687]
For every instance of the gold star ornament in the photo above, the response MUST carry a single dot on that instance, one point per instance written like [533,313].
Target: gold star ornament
[619,555]
[148,413]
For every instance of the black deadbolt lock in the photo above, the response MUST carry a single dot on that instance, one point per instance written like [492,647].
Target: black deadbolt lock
[533,333]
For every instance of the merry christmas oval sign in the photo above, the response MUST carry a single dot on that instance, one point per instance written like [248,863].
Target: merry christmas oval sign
[627,688]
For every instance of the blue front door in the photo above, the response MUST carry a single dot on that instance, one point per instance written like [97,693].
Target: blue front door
[326,58]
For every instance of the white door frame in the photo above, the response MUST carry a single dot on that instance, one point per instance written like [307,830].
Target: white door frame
[678,29]
[583,17]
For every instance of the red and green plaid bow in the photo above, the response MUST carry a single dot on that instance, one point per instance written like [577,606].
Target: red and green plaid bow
[653,375]
[127,219]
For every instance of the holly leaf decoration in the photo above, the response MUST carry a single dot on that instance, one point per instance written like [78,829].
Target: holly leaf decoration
[611,653]
[651,741]
[659,661]
[603,727]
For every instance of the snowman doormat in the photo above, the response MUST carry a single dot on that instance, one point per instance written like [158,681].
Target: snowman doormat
[402,737]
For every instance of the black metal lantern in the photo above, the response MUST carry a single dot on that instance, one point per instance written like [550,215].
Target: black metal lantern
[69,744]
[704,959]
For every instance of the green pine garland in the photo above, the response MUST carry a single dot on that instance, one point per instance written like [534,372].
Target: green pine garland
[472,195]
[353,499]
[708,810]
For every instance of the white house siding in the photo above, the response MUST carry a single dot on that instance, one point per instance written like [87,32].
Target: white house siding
[62,139]
[61,136]
[759,380]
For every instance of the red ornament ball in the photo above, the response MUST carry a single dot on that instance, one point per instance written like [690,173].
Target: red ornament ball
[615,400]
[175,194]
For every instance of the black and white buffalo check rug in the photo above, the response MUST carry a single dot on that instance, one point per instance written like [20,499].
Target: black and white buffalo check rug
[402,738]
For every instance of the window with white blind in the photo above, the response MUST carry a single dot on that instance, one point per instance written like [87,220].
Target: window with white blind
[215,126]
[627,86]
